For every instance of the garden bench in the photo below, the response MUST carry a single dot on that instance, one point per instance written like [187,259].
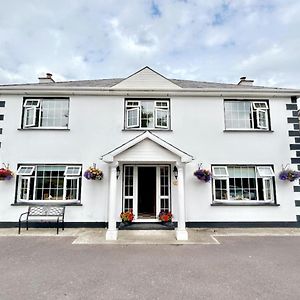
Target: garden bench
[44,213]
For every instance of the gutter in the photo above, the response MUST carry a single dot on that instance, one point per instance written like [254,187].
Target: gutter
[191,92]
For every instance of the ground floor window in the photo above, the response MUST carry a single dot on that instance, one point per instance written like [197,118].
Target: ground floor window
[49,182]
[243,183]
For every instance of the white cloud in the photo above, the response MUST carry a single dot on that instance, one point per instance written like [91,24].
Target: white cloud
[201,40]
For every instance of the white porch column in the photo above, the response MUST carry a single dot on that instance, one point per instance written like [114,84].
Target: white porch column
[112,232]
[181,232]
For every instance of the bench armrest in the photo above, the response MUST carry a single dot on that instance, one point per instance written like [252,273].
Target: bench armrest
[25,213]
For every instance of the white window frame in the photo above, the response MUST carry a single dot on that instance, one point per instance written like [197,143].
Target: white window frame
[227,188]
[258,118]
[156,119]
[72,174]
[65,189]
[25,174]
[270,180]
[218,175]
[253,108]
[256,104]
[133,105]
[159,106]
[20,188]
[137,109]
[31,105]
[259,171]
[26,112]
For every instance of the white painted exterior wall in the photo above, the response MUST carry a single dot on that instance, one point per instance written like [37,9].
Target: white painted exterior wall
[96,126]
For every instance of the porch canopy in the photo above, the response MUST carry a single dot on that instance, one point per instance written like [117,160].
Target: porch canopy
[146,148]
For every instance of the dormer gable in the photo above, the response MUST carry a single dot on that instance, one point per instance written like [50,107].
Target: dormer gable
[146,79]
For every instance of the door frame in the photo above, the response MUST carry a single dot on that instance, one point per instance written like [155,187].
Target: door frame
[135,189]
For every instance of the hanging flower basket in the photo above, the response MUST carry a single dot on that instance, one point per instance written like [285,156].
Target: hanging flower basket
[203,174]
[6,174]
[92,173]
[289,175]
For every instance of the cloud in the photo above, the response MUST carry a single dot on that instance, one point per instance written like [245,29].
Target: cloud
[201,40]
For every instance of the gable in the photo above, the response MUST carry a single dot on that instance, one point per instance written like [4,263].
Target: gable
[146,78]
[146,150]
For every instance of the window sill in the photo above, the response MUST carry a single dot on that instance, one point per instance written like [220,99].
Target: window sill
[247,130]
[256,203]
[55,129]
[39,203]
[147,129]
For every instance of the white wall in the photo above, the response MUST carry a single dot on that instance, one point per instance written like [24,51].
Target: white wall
[96,127]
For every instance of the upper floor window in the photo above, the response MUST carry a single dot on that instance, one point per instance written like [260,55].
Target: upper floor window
[243,184]
[146,113]
[246,114]
[48,182]
[46,113]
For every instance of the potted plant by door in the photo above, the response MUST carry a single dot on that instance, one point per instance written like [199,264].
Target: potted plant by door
[166,217]
[127,218]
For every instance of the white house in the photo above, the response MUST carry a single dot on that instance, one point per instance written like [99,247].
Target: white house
[149,134]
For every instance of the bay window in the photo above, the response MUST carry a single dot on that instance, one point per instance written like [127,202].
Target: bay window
[48,182]
[243,184]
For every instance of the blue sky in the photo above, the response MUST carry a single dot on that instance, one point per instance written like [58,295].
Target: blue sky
[214,40]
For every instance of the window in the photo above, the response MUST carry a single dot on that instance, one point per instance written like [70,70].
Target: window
[147,114]
[246,114]
[243,183]
[49,182]
[46,113]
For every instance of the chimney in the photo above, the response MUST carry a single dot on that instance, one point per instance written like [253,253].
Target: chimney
[46,79]
[245,81]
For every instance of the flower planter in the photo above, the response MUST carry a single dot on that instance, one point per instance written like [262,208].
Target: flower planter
[92,173]
[124,224]
[168,224]
[6,174]
[203,175]
[289,175]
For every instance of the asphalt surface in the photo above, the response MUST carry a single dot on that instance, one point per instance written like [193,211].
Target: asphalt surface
[238,268]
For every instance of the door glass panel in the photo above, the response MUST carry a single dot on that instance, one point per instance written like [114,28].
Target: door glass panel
[128,188]
[164,188]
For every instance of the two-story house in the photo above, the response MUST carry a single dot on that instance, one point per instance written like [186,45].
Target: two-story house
[149,134]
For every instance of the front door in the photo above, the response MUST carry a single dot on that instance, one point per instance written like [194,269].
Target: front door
[146,190]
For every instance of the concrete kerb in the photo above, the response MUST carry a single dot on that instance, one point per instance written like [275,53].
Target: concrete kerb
[197,236]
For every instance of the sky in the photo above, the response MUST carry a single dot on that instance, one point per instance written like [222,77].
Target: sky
[206,40]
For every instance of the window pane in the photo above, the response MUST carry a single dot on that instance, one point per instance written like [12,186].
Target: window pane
[54,113]
[147,114]
[162,118]
[238,114]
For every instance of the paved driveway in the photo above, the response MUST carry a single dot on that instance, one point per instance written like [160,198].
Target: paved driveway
[237,268]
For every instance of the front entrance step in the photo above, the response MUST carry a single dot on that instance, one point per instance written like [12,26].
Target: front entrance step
[147,226]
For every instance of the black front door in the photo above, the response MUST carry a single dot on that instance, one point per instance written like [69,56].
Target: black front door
[146,192]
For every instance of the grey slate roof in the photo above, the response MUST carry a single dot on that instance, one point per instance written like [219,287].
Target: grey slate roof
[107,83]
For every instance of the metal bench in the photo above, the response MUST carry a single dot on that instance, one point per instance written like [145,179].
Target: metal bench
[46,213]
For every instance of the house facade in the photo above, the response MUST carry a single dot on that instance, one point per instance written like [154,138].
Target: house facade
[149,134]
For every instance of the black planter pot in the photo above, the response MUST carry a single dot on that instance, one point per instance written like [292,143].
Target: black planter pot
[169,224]
[124,224]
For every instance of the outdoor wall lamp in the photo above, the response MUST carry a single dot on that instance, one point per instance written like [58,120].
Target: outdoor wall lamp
[175,172]
[118,172]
